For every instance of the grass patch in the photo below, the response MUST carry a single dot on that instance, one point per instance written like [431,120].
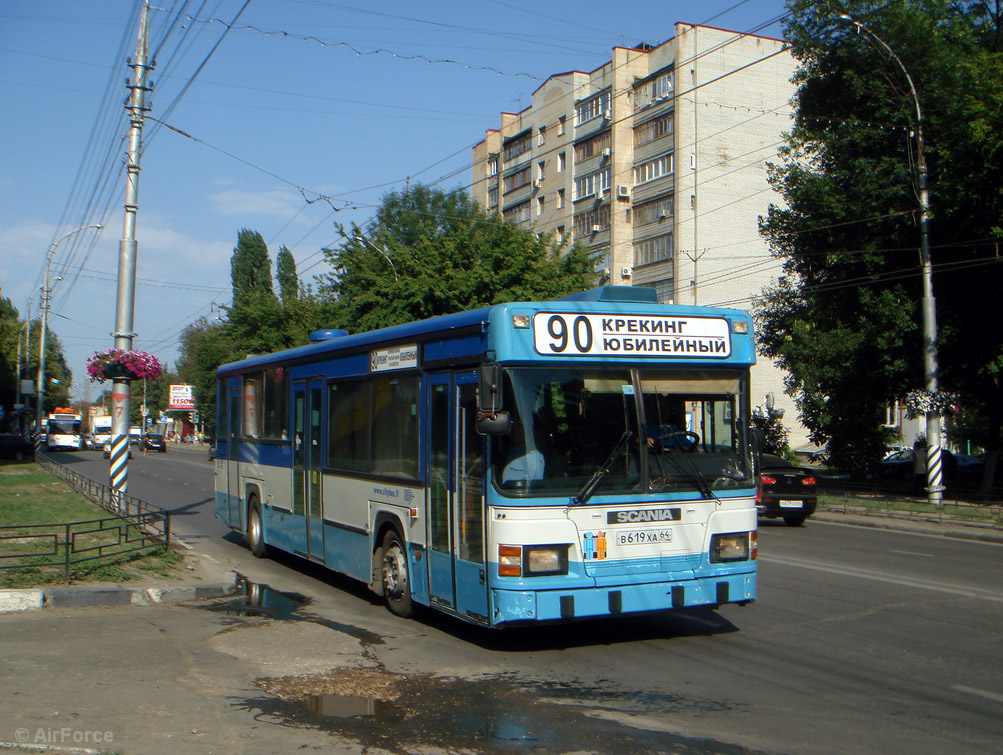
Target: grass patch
[36,506]
[968,512]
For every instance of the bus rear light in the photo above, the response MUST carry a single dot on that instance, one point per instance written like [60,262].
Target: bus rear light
[731,547]
[754,539]
[509,560]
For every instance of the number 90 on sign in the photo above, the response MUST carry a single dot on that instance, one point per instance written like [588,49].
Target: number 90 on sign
[564,334]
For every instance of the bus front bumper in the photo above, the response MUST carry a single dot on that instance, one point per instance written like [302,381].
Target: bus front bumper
[527,606]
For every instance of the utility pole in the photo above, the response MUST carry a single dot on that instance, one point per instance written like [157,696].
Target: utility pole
[125,307]
[46,305]
[934,459]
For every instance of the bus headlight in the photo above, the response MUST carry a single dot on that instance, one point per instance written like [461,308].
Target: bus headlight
[733,546]
[532,560]
[546,559]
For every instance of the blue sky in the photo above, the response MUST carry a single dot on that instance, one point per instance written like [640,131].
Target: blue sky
[304,115]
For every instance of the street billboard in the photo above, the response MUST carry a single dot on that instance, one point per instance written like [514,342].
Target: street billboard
[182,397]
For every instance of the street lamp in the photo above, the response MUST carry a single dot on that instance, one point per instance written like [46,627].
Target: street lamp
[934,470]
[362,239]
[46,303]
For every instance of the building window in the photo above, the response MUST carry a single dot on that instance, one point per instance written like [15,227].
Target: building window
[591,184]
[560,234]
[541,136]
[515,180]
[539,206]
[653,130]
[541,170]
[649,171]
[493,165]
[561,124]
[592,108]
[517,214]
[592,221]
[561,158]
[654,90]
[560,198]
[517,146]
[590,147]
[657,249]
[657,211]
[493,196]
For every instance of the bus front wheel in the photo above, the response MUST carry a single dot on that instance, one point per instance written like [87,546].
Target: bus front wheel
[255,531]
[394,572]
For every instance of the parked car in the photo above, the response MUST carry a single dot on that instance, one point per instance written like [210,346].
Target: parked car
[16,447]
[154,442]
[785,491]
[898,466]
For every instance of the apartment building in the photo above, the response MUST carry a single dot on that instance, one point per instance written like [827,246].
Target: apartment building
[658,161]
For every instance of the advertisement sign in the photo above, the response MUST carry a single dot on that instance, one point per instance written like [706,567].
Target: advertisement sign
[182,397]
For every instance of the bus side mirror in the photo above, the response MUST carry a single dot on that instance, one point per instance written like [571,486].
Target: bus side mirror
[494,423]
[489,389]
[757,440]
[491,420]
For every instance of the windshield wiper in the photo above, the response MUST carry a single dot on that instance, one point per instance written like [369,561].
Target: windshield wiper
[586,492]
[692,475]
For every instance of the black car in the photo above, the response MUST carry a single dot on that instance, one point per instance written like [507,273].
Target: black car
[154,442]
[785,491]
[15,447]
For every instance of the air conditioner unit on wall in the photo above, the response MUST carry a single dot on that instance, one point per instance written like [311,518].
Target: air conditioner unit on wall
[596,228]
[538,183]
[623,191]
[601,194]
[626,272]
[606,152]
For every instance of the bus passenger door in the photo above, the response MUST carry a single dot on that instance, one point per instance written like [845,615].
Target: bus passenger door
[456,562]
[232,463]
[307,465]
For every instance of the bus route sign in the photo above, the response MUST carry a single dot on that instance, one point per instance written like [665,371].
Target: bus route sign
[639,336]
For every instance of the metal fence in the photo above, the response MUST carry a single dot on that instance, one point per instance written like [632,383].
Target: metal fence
[135,526]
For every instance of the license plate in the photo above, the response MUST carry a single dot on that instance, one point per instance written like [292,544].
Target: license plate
[791,504]
[643,537]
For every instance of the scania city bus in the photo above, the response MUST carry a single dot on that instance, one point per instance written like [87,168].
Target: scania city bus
[525,462]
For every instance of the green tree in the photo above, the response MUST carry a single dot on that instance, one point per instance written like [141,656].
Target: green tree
[285,272]
[845,319]
[430,252]
[205,345]
[255,315]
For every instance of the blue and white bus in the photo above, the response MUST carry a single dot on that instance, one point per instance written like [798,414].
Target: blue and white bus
[525,462]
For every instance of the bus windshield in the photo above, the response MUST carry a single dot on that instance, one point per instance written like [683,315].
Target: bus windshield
[64,427]
[580,432]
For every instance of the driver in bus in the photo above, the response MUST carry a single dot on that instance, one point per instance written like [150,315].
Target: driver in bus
[525,460]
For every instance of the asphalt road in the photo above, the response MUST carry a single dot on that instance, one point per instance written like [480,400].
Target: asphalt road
[862,640]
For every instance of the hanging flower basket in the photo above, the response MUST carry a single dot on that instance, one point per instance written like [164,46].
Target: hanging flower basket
[117,364]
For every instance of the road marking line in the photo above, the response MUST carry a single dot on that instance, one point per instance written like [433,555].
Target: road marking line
[848,571]
[914,553]
[978,692]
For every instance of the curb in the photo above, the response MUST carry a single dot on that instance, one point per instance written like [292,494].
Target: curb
[88,596]
[957,530]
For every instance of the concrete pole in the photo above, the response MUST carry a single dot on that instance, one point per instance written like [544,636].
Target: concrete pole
[934,458]
[46,303]
[125,307]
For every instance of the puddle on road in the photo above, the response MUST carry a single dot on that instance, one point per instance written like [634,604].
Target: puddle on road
[261,601]
[399,713]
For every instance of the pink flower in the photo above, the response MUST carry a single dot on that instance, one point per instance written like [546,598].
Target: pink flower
[138,364]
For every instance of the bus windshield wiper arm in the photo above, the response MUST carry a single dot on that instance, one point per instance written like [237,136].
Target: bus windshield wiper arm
[586,492]
[693,475]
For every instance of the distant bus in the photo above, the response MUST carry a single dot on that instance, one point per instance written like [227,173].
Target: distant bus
[526,462]
[63,431]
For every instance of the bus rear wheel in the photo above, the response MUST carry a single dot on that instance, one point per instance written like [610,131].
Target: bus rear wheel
[395,575]
[255,531]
